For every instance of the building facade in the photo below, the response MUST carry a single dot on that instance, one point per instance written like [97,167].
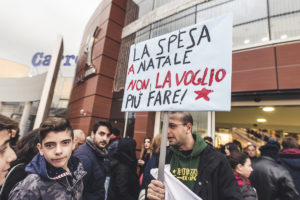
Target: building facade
[265,59]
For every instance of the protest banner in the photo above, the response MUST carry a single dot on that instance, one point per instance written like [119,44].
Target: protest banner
[185,70]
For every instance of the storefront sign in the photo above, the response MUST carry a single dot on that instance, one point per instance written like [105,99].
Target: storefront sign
[185,70]
[43,59]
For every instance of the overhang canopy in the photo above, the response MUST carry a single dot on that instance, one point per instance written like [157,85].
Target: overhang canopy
[22,89]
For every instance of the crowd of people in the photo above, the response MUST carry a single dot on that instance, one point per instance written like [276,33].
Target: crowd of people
[57,162]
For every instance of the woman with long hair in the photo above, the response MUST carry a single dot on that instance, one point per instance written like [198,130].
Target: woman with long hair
[155,147]
[145,155]
[229,148]
[241,165]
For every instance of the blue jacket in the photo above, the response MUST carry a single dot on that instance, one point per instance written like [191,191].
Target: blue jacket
[112,147]
[291,161]
[147,176]
[95,163]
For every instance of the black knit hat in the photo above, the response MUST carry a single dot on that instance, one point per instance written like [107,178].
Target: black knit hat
[127,146]
[115,131]
[270,149]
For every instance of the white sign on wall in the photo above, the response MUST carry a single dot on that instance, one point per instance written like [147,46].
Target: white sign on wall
[185,70]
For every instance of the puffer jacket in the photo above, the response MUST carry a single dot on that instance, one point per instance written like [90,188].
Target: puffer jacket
[272,181]
[248,192]
[290,159]
[39,184]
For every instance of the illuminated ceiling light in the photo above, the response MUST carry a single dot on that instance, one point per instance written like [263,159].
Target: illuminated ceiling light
[283,36]
[261,120]
[246,41]
[268,109]
[264,39]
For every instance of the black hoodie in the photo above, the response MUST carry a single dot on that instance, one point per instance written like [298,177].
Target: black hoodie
[124,180]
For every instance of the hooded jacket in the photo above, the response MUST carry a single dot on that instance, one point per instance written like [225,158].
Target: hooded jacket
[184,167]
[124,182]
[95,163]
[290,159]
[215,179]
[48,183]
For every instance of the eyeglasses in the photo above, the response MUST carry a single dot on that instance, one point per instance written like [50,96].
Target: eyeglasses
[172,125]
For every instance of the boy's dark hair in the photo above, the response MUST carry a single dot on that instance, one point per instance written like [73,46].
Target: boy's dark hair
[289,143]
[56,125]
[102,123]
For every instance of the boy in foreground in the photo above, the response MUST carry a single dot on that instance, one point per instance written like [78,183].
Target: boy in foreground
[53,173]
[7,155]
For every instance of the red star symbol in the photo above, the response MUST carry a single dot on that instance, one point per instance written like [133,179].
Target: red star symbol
[203,93]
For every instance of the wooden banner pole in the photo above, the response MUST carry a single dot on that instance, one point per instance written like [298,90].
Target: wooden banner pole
[163,146]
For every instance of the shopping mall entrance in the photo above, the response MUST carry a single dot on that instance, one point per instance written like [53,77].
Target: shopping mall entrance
[255,124]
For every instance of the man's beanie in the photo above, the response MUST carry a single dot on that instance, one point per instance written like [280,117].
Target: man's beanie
[115,131]
[270,149]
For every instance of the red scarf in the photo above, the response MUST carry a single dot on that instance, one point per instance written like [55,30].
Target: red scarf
[290,151]
[240,180]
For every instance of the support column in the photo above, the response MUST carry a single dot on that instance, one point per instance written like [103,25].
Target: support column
[157,123]
[60,85]
[144,127]
[213,126]
[25,117]
[209,123]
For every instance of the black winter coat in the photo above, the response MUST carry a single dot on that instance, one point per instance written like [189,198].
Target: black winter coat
[215,180]
[272,181]
[124,182]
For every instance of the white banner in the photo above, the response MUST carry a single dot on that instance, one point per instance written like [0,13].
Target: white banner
[185,70]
